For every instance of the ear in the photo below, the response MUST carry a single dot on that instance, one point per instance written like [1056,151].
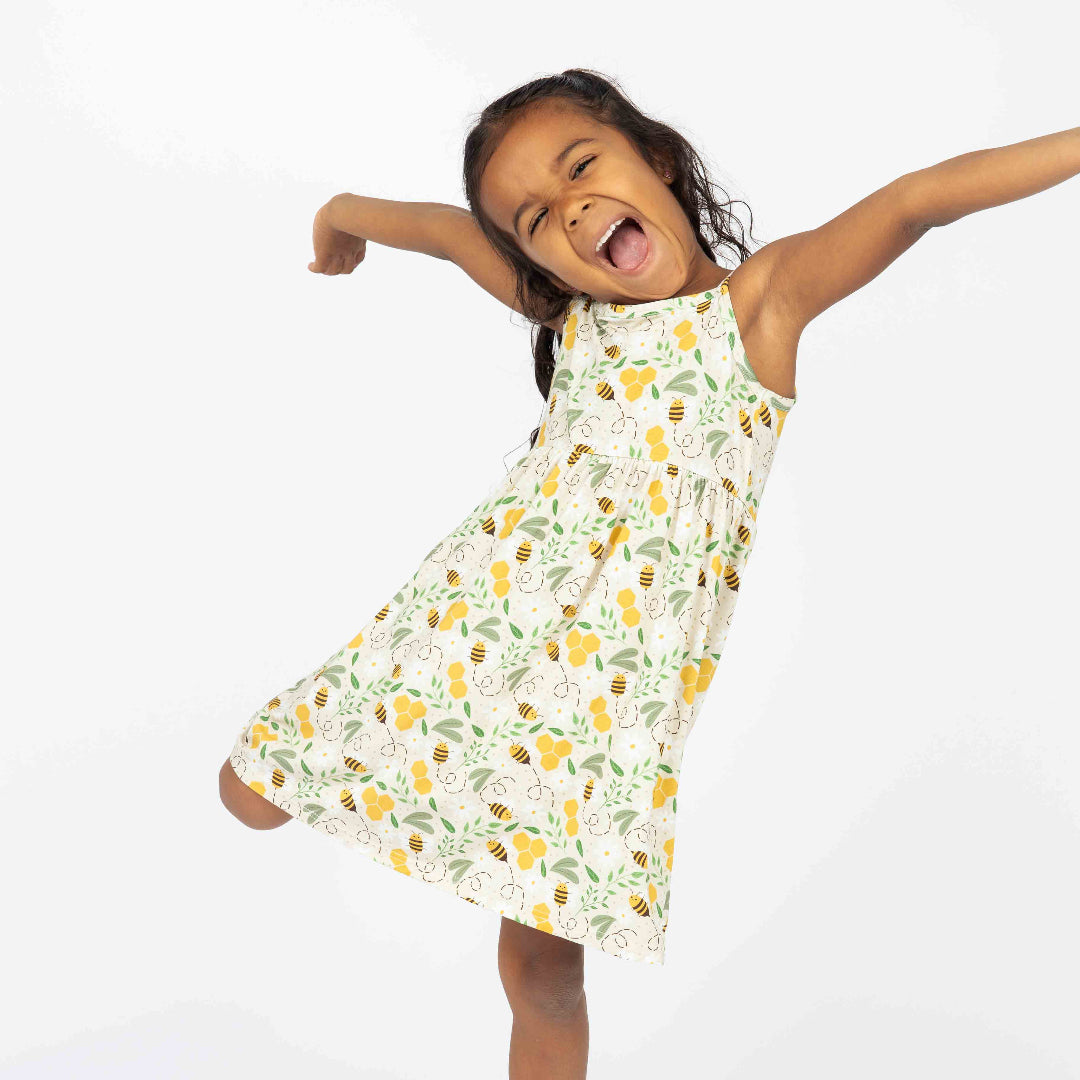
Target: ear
[661,167]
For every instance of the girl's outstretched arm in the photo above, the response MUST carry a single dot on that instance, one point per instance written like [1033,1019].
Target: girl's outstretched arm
[441,230]
[811,271]
[961,185]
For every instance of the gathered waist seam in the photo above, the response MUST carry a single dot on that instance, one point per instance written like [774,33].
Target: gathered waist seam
[606,455]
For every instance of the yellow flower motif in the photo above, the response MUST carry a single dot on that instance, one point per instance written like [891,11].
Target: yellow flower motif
[655,438]
[635,380]
[421,783]
[579,648]
[409,710]
[376,803]
[696,679]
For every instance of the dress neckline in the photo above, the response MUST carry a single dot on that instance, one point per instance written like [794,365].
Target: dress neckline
[607,312]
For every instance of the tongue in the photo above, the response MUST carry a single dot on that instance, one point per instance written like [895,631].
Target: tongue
[628,246]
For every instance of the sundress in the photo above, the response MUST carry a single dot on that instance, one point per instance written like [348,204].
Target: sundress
[509,726]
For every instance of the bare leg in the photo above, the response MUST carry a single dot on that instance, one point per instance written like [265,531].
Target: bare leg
[544,980]
[247,804]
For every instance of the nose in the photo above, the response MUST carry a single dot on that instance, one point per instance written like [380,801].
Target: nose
[584,206]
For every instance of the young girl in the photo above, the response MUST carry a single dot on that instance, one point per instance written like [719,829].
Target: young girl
[509,726]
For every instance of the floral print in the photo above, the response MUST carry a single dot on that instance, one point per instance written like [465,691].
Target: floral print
[509,726]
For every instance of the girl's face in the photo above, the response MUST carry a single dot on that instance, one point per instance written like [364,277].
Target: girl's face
[555,183]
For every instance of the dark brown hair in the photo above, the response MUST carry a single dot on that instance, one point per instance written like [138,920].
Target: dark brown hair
[536,296]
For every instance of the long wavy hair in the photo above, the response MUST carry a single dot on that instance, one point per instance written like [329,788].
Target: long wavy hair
[536,296]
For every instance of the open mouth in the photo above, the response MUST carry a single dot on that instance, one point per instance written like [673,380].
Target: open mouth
[627,248]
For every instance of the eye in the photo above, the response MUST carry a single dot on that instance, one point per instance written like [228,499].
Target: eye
[573,176]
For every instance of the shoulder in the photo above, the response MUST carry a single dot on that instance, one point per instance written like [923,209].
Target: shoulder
[770,343]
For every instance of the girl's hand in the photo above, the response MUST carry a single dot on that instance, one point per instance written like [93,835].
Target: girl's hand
[336,252]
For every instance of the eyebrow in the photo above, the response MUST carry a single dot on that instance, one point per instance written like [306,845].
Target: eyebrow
[554,165]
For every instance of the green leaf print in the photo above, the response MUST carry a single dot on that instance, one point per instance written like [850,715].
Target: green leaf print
[354,680]
[282,758]
[683,383]
[486,628]
[419,818]
[594,764]
[536,527]
[480,778]
[678,600]
[303,765]
[715,440]
[602,923]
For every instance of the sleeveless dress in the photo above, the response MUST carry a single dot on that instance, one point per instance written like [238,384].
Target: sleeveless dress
[509,726]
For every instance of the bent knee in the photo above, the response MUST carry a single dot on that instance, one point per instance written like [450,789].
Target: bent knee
[246,804]
[540,972]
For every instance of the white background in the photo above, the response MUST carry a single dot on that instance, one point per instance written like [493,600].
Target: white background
[218,465]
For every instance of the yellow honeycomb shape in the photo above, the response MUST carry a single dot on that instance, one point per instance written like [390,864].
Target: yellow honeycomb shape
[569,330]
[500,571]
[635,380]
[683,333]
[261,733]
[530,848]
[552,752]
[601,720]
[696,679]
[665,787]
[657,503]
[669,850]
[579,647]
[409,710]
[454,612]
[422,784]
[375,803]
[510,519]
[400,858]
[541,914]
[551,483]
[655,438]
